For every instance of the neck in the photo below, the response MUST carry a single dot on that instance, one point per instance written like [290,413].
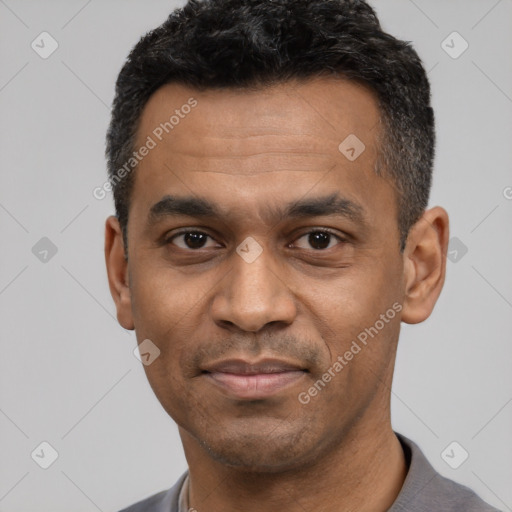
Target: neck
[365,472]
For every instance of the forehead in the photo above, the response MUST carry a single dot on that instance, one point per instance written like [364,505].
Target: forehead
[245,147]
[311,108]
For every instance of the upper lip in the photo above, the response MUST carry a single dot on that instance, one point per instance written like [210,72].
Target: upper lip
[241,366]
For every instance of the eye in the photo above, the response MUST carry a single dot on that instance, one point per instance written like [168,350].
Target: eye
[190,240]
[317,240]
[320,240]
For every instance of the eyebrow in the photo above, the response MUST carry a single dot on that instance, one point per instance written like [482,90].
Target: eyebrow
[191,206]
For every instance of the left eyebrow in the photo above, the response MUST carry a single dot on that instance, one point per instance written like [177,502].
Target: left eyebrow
[330,205]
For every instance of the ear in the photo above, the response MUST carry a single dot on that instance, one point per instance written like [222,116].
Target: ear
[425,264]
[117,270]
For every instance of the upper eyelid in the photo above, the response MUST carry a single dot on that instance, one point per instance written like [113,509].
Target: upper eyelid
[185,231]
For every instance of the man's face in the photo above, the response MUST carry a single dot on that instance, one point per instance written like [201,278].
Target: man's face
[299,258]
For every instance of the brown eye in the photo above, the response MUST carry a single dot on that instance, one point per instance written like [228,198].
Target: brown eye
[320,240]
[190,239]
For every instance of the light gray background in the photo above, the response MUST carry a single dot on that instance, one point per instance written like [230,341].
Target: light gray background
[68,374]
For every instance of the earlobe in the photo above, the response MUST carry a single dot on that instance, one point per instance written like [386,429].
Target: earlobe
[425,264]
[117,271]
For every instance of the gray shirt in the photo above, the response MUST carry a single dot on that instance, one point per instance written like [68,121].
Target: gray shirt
[424,490]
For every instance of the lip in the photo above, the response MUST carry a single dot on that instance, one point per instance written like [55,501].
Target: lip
[243,367]
[254,380]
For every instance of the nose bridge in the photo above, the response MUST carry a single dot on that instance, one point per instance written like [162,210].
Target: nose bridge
[255,280]
[252,295]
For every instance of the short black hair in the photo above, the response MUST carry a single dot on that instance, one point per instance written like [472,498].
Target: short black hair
[256,43]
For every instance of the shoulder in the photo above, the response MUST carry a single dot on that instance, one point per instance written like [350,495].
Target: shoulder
[164,501]
[425,490]
[453,496]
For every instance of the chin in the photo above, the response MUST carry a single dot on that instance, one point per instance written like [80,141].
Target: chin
[260,450]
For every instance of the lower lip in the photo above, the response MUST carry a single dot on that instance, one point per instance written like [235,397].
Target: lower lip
[254,387]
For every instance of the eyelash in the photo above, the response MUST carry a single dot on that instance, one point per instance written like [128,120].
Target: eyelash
[322,230]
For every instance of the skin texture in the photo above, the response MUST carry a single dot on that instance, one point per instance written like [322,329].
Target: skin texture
[251,153]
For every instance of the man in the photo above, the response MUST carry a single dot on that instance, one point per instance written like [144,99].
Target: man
[271,166]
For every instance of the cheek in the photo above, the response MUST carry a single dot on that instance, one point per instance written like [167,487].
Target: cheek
[160,313]
[162,299]
[353,302]
[359,373]
[358,316]
[169,388]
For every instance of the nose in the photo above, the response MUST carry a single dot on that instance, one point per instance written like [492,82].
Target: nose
[252,295]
